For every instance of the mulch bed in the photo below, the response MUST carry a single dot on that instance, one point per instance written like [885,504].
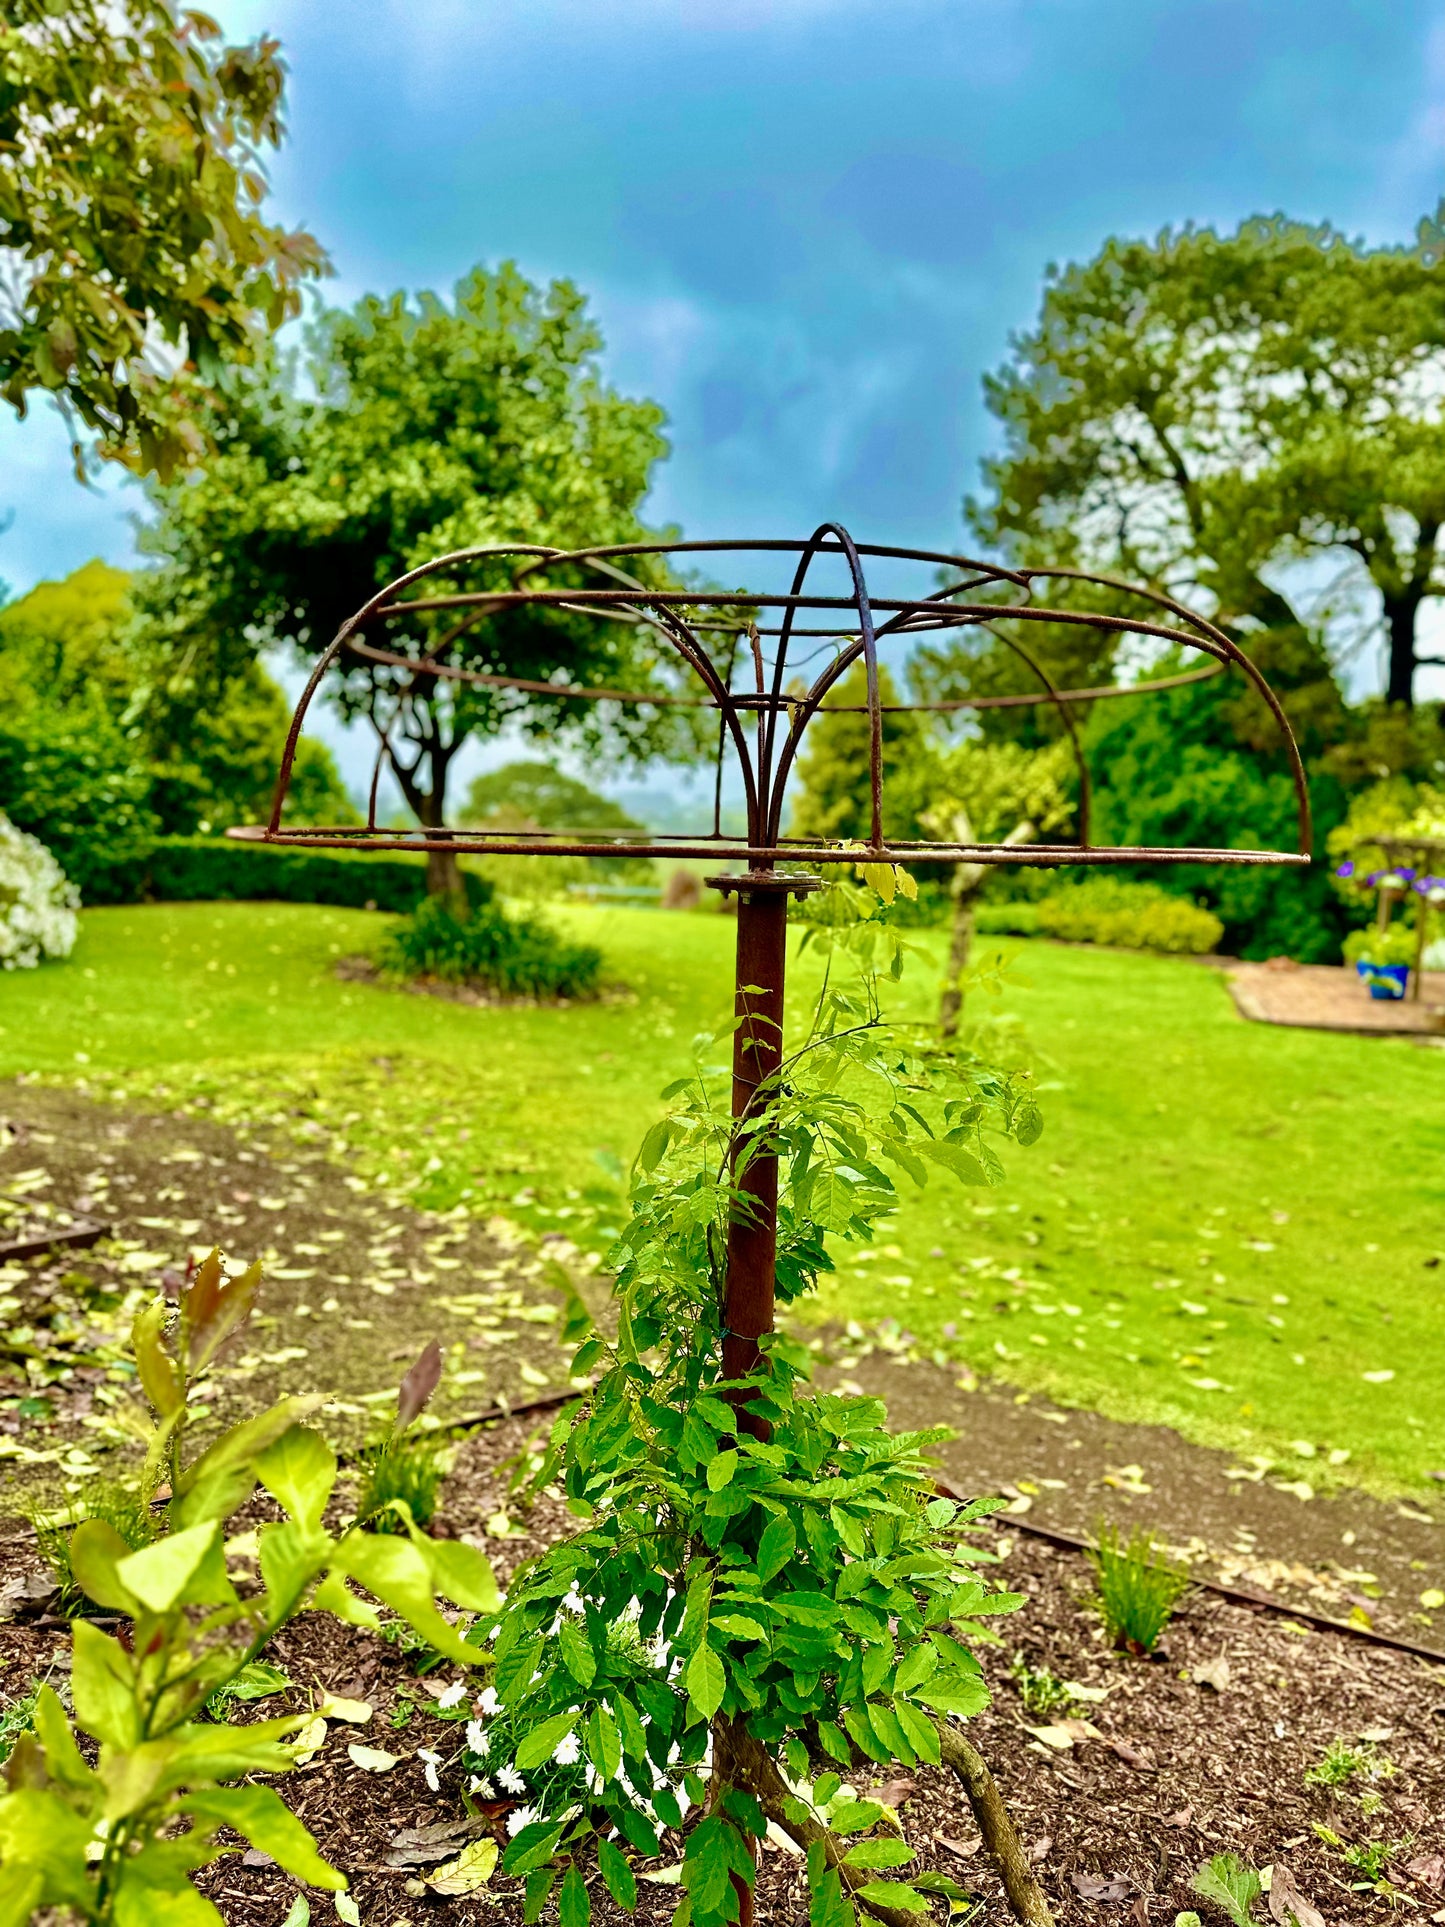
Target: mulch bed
[1325,997]
[1159,1775]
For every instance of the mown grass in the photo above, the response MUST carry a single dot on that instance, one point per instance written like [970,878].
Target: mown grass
[1225,1228]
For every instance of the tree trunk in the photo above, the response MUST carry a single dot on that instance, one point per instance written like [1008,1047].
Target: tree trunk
[749,1766]
[444,878]
[968,880]
[1400,616]
[950,1007]
[1000,1838]
[443,873]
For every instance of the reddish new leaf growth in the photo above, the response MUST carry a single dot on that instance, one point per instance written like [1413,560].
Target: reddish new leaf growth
[213,1307]
[417,1387]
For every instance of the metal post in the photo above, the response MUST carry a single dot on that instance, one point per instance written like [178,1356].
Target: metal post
[757,1053]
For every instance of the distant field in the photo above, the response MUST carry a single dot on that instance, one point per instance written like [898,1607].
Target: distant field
[1225,1228]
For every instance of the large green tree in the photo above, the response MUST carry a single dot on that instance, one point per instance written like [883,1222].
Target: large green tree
[1202,411]
[94,759]
[134,258]
[409,429]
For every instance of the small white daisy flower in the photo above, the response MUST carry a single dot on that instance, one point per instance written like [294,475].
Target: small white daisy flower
[432,1761]
[478,1785]
[510,1780]
[487,1701]
[522,1817]
[477,1739]
[568,1750]
[454,1694]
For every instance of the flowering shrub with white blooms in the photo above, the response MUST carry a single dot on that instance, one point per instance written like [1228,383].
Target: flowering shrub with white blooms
[37,902]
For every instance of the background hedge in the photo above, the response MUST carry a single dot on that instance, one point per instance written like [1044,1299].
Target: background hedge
[209,869]
[1110,910]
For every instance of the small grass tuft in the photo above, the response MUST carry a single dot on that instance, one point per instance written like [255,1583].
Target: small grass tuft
[1138,1589]
[408,1471]
[17,1717]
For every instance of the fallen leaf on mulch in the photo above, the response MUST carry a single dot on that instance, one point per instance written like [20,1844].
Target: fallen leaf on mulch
[1040,1849]
[1131,1755]
[473,1868]
[1288,1905]
[892,1793]
[964,1849]
[371,1759]
[1076,1691]
[1183,1818]
[356,1712]
[1428,1869]
[419,1846]
[1215,1673]
[1066,1733]
[309,1741]
[1105,1886]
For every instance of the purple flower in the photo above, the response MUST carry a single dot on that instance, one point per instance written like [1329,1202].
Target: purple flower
[1345,870]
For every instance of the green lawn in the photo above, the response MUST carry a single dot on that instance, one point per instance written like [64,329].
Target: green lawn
[1227,1228]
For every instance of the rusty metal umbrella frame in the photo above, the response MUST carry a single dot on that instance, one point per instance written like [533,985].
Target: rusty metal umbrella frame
[763,717]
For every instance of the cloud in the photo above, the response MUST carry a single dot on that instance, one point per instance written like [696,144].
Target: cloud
[1413,171]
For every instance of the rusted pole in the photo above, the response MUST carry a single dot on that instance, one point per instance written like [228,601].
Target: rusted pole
[752,1247]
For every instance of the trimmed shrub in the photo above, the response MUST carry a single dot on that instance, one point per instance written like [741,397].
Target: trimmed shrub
[1134,916]
[516,956]
[1007,919]
[37,903]
[209,869]
[1109,910]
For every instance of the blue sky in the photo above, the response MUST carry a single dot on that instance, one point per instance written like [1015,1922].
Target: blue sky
[807,226]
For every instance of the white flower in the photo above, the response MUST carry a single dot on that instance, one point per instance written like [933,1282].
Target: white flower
[37,904]
[510,1780]
[487,1703]
[433,1761]
[478,1785]
[454,1694]
[477,1738]
[567,1751]
[522,1817]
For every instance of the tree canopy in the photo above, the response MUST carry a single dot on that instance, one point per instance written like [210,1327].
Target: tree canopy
[95,762]
[1202,411]
[134,258]
[541,796]
[407,430]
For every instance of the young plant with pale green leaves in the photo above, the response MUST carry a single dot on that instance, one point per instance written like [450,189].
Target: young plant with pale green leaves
[807,1600]
[991,793]
[117,1841]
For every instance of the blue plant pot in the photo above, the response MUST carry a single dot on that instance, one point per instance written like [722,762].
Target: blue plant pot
[1388,982]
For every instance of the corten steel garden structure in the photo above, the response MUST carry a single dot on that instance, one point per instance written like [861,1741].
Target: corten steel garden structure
[737,651]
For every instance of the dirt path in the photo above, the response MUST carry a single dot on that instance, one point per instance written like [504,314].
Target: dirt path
[1247,1523]
[355,1283]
